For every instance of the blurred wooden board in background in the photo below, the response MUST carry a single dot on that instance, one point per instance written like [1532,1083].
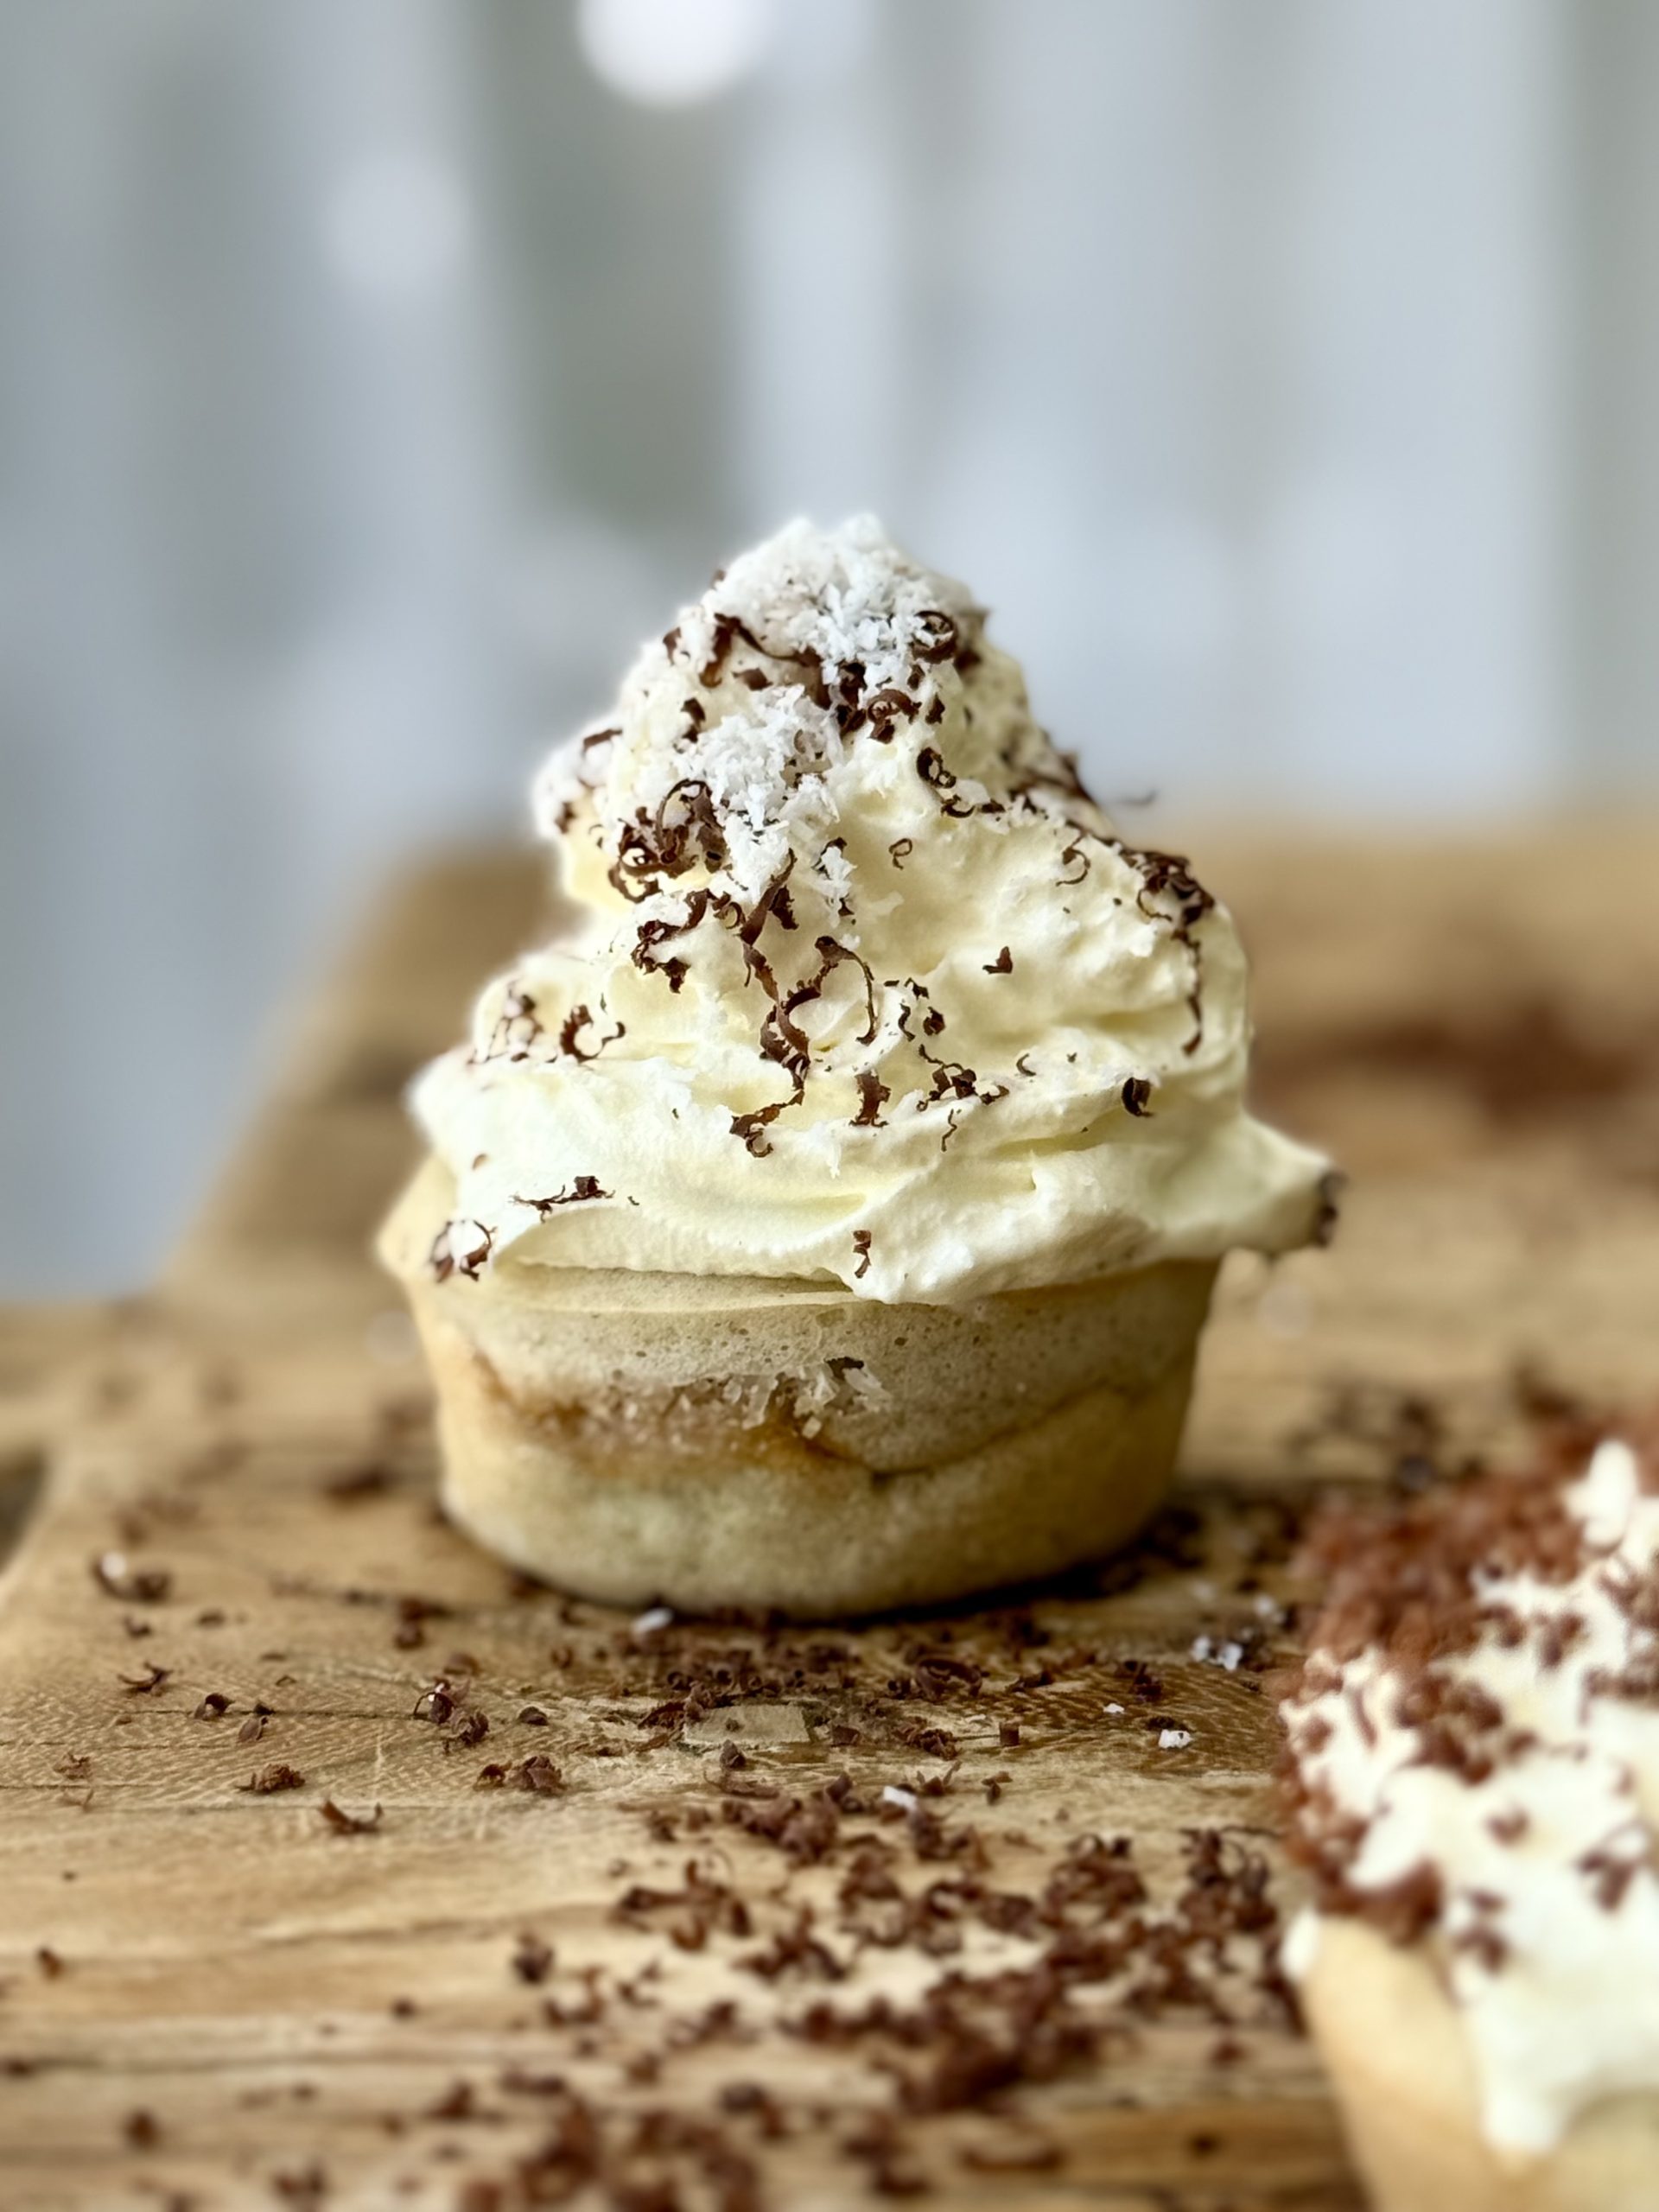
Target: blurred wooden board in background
[219,1996]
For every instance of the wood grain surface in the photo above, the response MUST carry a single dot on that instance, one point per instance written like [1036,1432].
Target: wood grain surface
[697,1914]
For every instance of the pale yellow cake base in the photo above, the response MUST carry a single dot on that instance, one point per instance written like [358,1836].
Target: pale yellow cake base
[1404,2077]
[711,1441]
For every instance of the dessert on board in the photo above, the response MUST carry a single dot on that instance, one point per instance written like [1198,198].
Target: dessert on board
[1472,1778]
[825,1219]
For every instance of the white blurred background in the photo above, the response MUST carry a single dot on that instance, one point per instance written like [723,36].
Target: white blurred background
[374,373]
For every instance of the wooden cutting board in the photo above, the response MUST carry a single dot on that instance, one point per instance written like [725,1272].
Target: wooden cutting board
[657,1915]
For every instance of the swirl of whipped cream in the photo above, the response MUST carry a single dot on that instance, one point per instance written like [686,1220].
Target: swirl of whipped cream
[861,982]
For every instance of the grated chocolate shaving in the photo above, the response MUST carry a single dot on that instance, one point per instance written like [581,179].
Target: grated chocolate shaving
[873,1096]
[536,1774]
[575,1022]
[584,1190]
[443,1259]
[268,1781]
[343,1823]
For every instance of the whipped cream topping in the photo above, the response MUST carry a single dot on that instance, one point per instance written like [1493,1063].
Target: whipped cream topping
[860,983]
[1475,1747]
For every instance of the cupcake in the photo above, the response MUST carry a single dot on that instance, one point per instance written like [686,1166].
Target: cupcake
[826,1220]
[1473,1781]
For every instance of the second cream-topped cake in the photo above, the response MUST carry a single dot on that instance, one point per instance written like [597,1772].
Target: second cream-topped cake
[1472,1778]
[826,1220]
